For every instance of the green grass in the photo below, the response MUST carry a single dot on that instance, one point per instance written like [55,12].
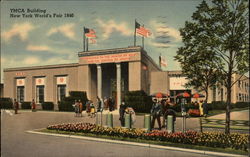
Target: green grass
[163,143]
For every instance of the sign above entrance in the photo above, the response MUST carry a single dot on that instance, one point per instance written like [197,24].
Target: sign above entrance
[111,58]
[177,83]
[20,82]
[61,80]
[40,81]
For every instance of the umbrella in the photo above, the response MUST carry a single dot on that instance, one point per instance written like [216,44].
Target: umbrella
[160,95]
[197,95]
[184,95]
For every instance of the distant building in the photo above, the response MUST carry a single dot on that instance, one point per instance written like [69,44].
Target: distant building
[104,73]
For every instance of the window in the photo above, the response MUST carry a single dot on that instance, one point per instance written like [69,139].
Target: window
[20,87]
[39,94]
[221,94]
[239,83]
[61,92]
[239,97]
[214,93]
[20,94]
[61,82]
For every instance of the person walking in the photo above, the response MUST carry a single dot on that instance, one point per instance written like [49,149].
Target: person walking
[33,106]
[201,108]
[205,108]
[156,113]
[92,110]
[105,103]
[76,105]
[165,105]
[80,107]
[88,107]
[98,102]
[15,106]
[110,104]
[122,113]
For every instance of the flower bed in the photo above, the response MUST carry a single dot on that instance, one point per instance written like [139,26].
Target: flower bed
[194,112]
[210,139]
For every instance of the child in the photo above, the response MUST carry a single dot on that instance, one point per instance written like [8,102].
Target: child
[92,110]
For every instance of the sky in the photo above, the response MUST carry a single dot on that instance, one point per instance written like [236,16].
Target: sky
[31,41]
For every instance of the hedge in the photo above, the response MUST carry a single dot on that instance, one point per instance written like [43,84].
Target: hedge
[6,103]
[67,102]
[241,105]
[139,101]
[26,105]
[48,106]
[221,105]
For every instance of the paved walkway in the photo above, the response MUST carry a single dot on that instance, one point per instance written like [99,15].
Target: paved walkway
[16,142]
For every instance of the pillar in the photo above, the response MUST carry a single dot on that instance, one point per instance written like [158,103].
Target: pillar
[118,85]
[99,80]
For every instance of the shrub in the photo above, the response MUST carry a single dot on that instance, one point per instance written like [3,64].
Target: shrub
[6,103]
[67,102]
[139,101]
[241,104]
[217,105]
[48,106]
[26,105]
[65,106]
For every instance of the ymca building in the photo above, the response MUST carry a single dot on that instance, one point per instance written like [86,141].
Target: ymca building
[104,73]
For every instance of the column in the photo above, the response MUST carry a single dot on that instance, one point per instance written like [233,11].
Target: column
[118,84]
[99,80]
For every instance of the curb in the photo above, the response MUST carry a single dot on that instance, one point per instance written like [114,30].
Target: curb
[139,144]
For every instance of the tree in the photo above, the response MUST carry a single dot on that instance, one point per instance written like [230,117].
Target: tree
[196,65]
[220,30]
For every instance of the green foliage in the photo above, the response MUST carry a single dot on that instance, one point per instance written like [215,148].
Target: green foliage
[48,106]
[216,45]
[241,105]
[67,102]
[176,107]
[139,101]
[26,105]
[6,103]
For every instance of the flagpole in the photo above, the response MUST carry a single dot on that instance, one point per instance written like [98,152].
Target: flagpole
[143,40]
[84,39]
[87,48]
[135,34]
[160,60]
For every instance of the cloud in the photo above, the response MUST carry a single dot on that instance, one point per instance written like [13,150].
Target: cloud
[160,44]
[38,48]
[172,32]
[66,30]
[110,26]
[31,60]
[18,29]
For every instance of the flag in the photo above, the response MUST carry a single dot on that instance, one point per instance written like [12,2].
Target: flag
[137,25]
[90,33]
[163,61]
[141,30]
[93,41]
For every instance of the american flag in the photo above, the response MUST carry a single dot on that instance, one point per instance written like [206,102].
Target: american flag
[142,30]
[163,61]
[89,33]
[93,41]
